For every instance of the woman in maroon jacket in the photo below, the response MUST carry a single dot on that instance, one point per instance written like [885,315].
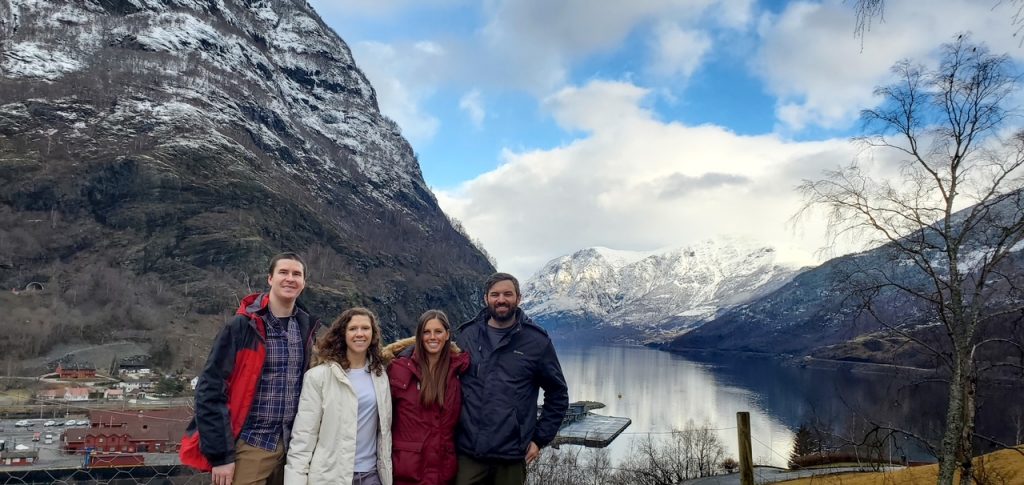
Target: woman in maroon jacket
[427,399]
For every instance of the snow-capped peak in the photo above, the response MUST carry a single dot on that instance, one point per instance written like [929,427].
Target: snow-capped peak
[647,289]
[619,258]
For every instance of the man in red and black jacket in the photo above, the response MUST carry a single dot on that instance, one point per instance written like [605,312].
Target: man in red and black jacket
[248,392]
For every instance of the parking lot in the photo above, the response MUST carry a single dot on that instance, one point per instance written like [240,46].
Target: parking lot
[50,454]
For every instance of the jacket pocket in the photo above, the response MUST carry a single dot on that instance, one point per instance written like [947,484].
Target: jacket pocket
[407,460]
[505,436]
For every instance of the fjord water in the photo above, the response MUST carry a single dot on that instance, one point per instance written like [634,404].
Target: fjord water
[661,391]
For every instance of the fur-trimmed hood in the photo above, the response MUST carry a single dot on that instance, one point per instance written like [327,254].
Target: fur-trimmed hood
[395,349]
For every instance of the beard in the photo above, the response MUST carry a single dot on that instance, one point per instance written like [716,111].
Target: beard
[508,310]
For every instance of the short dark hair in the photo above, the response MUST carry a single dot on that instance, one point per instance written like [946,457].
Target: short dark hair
[499,277]
[286,255]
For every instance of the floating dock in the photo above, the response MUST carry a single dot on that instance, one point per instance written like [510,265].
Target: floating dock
[582,427]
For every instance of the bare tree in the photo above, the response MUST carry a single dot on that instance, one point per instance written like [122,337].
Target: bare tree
[869,11]
[692,452]
[560,467]
[951,218]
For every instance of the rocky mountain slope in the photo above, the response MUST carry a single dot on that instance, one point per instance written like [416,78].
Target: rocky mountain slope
[155,153]
[650,295]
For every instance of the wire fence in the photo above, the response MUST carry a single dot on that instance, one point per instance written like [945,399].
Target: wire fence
[155,475]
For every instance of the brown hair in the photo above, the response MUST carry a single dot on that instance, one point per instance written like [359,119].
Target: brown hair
[499,277]
[291,256]
[331,345]
[433,383]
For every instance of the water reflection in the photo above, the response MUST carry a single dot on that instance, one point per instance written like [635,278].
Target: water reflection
[660,391]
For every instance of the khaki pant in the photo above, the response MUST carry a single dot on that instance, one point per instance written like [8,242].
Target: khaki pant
[256,466]
[472,472]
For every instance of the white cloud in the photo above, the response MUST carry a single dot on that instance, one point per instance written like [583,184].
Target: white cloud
[521,45]
[600,104]
[735,14]
[429,48]
[823,75]
[473,105]
[634,182]
[534,43]
[678,52]
[389,69]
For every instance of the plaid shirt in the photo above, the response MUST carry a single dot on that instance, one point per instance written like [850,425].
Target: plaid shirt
[277,397]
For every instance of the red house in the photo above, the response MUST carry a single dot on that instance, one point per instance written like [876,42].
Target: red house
[76,370]
[149,431]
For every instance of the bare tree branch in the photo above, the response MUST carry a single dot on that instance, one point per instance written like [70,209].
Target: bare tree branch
[945,126]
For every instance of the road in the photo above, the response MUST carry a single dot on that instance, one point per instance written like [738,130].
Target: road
[767,474]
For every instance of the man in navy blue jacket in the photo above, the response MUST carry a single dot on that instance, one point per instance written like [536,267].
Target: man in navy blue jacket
[511,359]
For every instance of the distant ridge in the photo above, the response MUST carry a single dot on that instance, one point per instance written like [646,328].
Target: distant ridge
[650,295]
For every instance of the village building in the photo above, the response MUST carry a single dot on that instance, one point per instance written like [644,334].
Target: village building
[134,383]
[18,457]
[76,370]
[76,394]
[129,386]
[150,431]
[113,394]
[47,395]
[134,365]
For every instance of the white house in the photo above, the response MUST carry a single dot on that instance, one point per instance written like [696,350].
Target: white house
[129,386]
[76,394]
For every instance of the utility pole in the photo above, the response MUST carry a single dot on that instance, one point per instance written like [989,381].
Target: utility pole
[746,462]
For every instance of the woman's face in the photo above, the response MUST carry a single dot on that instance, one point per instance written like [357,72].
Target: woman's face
[435,337]
[358,334]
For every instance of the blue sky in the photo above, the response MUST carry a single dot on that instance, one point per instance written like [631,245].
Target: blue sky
[548,126]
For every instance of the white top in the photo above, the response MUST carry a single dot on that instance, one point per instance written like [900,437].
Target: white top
[366,420]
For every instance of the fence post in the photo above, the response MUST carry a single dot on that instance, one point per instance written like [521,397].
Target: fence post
[746,463]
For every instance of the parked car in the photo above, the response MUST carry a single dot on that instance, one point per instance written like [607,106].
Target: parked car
[48,439]
[70,422]
[83,422]
[24,423]
[50,423]
[36,436]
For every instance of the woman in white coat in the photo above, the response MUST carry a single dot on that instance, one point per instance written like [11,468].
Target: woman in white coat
[342,432]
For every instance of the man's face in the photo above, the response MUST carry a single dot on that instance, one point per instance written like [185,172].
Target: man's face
[287,280]
[502,300]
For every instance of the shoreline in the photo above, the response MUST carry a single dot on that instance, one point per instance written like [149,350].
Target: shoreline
[857,367]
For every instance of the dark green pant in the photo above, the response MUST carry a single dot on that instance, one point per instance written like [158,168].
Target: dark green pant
[472,472]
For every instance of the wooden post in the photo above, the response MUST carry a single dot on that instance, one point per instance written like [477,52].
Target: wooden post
[746,461]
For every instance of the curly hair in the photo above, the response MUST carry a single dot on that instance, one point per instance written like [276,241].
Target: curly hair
[331,345]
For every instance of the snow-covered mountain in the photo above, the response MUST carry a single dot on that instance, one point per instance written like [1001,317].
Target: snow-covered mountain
[651,295]
[155,153]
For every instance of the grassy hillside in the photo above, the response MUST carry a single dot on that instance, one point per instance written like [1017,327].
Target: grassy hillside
[1004,467]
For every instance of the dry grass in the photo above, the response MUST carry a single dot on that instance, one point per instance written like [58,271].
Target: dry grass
[1004,467]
